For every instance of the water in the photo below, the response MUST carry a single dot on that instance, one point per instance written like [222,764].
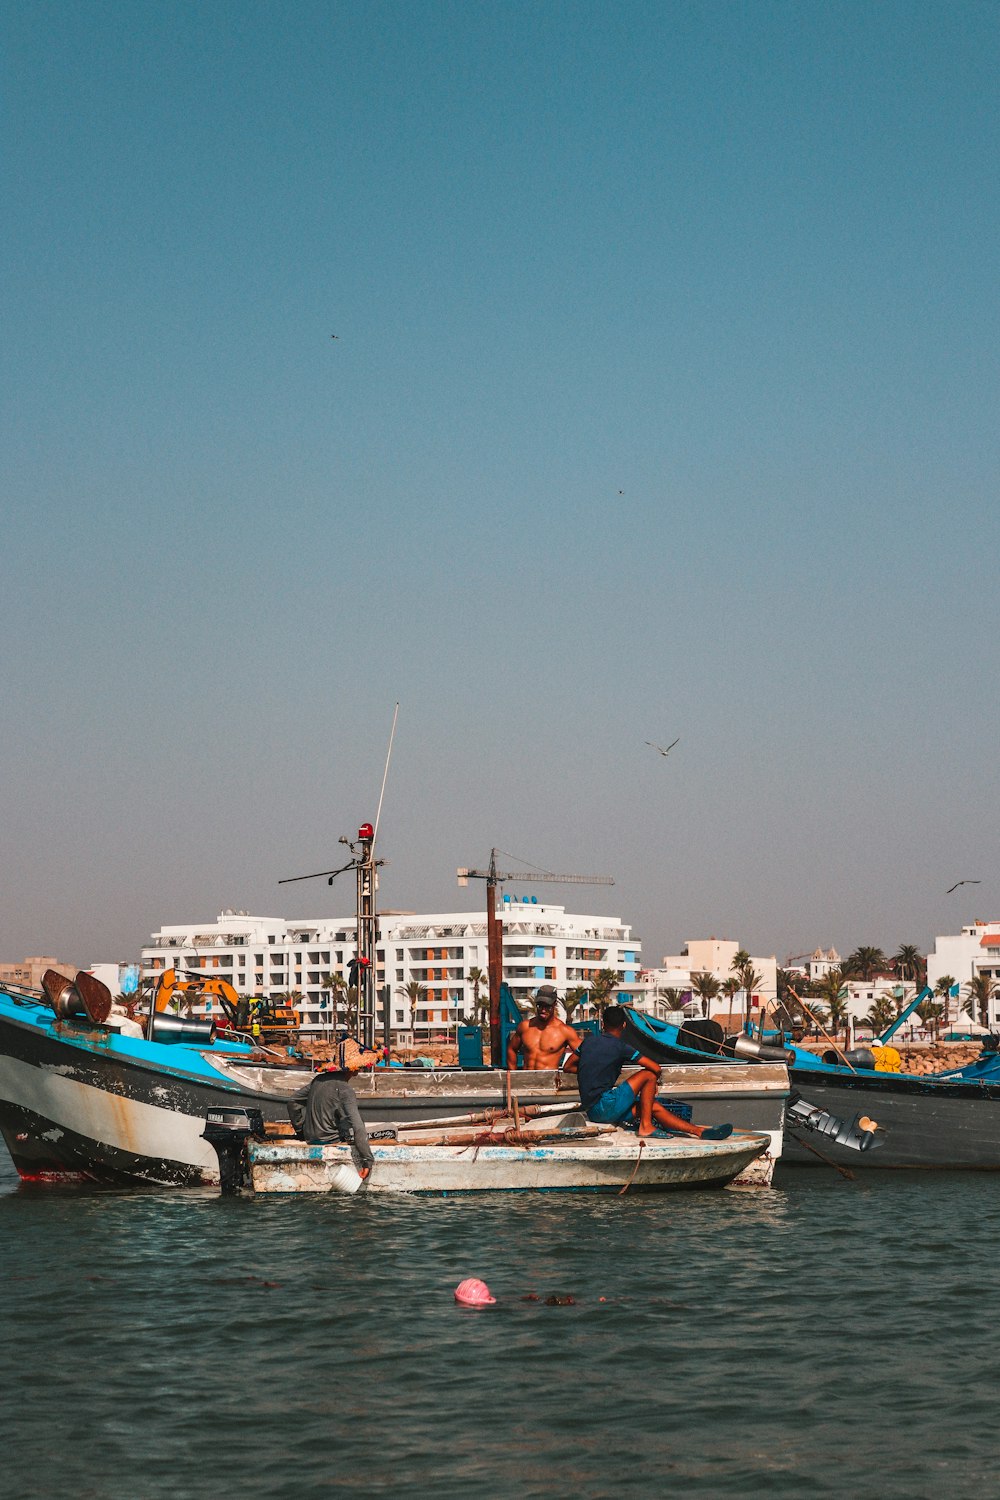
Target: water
[827,1338]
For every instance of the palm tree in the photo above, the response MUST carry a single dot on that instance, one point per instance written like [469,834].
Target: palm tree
[981,989]
[337,986]
[728,988]
[748,978]
[706,987]
[786,982]
[414,992]
[865,962]
[832,990]
[477,979]
[930,1013]
[574,997]
[672,997]
[602,988]
[881,1015]
[943,990]
[909,962]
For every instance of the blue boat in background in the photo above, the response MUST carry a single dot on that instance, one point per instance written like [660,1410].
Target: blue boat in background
[942,1120]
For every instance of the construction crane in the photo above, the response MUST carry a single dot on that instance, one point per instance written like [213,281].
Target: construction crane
[494,927]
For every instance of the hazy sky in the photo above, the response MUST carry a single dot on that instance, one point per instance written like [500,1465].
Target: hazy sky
[663,403]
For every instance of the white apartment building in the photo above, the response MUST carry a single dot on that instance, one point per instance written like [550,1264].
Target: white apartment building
[273,956]
[975,950]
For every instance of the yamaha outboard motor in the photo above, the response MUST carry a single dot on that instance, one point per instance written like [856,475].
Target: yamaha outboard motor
[858,1135]
[228,1130]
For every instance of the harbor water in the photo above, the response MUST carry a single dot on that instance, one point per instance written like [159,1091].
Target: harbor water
[824,1338]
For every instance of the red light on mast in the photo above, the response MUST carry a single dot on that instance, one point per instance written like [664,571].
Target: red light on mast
[366,831]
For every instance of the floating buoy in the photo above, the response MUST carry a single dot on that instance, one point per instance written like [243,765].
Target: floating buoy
[473,1293]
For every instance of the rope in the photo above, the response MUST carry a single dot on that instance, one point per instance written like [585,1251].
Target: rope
[638,1158]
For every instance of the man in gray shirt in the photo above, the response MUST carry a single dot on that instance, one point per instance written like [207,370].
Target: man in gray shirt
[328,1110]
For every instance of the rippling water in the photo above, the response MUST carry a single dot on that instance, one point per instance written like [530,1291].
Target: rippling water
[827,1338]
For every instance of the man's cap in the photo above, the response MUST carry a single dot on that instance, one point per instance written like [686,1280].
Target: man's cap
[546,995]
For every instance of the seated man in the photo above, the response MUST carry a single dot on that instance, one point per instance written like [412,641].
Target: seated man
[608,1102]
[543,1039]
[328,1109]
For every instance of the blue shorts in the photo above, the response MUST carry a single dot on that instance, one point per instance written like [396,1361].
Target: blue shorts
[613,1106]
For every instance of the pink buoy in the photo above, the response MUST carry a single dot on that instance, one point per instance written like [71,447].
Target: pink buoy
[473,1293]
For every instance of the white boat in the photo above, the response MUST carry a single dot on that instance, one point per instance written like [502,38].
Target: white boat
[607,1161]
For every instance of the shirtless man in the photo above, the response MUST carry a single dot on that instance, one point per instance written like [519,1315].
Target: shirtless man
[543,1039]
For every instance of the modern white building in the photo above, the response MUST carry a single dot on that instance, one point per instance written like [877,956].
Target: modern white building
[272,956]
[974,950]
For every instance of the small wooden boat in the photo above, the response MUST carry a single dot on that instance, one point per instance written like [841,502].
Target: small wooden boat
[570,1159]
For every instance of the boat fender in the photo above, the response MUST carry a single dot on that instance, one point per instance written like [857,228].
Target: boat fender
[857,1057]
[166,1028]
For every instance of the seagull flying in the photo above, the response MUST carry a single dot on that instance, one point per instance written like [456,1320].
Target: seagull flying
[961,882]
[660,747]
[335,335]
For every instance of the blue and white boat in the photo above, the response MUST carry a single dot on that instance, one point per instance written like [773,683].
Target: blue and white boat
[81,1100]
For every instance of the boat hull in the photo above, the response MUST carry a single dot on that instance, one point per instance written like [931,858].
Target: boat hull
[598,1167]
[81,1104]
[929,1122]
[921,1124]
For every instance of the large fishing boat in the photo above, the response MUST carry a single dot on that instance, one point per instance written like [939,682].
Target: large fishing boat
[81,1099]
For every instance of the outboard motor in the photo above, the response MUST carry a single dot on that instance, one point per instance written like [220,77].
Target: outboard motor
[166,1028]
[857,1057]
[228,1131]
[858,1135]
[748,1047]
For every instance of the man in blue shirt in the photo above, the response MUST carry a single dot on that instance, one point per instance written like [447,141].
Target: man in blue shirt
[607,1102]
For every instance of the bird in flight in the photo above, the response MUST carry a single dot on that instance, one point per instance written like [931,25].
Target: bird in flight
[961,882]
[335,335]
[660,747]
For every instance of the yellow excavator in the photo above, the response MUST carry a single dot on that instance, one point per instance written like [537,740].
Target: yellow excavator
[254,1016]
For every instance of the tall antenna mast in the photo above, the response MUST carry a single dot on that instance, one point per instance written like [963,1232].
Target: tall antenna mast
[385,774]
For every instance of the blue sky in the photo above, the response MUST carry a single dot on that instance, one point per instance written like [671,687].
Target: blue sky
[663,403]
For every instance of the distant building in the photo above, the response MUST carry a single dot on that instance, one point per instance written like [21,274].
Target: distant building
[273,956]
[814,965]
[709,956]
[28,973]
[975,950]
